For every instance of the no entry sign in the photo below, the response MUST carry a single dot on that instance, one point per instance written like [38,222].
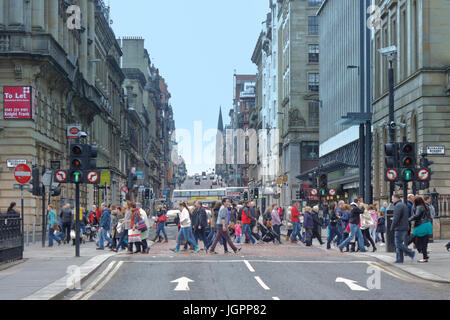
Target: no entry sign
[124,189]
[22,174]
[314,192]
[332,192]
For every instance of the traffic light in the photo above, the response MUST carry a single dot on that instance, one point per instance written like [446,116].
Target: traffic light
[93,154]
[408,161]
[256,193]
[312,180]
[323,184]
[392,156]
[252,194]
[408,155]
[147,194]
[424,173]
[245,196]
[35,181]
[408,175]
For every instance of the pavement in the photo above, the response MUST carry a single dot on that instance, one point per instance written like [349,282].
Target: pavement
[436,270]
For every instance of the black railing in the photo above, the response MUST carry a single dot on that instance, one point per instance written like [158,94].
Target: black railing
[11,239]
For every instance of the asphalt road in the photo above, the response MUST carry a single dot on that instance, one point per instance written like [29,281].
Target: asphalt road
[264,272]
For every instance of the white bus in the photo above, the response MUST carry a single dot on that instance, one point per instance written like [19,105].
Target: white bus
[207,196]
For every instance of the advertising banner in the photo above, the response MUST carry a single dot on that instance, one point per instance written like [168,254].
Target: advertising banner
[17,103]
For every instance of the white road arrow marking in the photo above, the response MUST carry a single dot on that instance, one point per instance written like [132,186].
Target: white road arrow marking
[183,284]
[351,284]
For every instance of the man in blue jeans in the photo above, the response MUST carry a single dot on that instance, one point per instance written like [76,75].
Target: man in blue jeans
[354,227]
[105,226]
[400,226]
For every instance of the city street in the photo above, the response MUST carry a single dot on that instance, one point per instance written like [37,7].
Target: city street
[259,272]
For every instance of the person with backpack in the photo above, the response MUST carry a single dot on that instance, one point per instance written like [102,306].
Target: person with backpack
[423,227]
[308,224]
[66,220]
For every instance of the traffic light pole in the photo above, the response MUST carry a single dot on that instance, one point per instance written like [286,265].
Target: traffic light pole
[77,220]
[43,217]
[391,118]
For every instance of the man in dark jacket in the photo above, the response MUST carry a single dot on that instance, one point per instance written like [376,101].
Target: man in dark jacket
[354,227]
[317,229]
[66,221]
[105,226]
[199,222]
[400,226]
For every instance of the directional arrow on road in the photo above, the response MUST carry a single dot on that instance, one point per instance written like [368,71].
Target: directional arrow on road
[351,284]
[183,284]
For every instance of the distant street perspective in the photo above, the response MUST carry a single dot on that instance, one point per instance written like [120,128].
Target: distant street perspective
[201,151]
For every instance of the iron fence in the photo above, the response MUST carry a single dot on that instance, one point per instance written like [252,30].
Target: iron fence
[11,239]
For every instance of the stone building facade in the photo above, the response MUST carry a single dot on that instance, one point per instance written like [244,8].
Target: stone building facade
[419,30]
[298,89]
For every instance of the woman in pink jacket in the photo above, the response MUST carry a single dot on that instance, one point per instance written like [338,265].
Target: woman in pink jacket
[374,215]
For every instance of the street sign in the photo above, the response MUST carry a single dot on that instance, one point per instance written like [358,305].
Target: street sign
[22,186]
[124,189]
[140,175]
[72,131]
[47,178]
[423,174]
[314,192]
[22,174]
[92,177]
[105,178]
[332,192]
[391,175]
[15,162]
[61,176]
[436,150]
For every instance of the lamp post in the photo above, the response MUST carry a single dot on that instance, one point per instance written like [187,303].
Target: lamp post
[391,54]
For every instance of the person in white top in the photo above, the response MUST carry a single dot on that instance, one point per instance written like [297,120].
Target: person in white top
[186,228]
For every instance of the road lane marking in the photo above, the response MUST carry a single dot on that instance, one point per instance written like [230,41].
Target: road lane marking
[352,284]
[94,283]
[276,298]
[249,266]
[261,283]
[105,281]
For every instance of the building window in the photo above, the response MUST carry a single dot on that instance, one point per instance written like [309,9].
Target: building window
[313,82]
[314,53]
[314,114]
[310,151]
[314,3]
[313,25]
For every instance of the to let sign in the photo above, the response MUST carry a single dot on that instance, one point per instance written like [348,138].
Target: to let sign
[18,103]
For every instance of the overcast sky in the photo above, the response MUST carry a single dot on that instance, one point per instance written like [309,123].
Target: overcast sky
[197,45]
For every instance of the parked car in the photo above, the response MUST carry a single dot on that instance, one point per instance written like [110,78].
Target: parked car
[172,215]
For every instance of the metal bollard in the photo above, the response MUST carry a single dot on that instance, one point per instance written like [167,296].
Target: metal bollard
[390,241]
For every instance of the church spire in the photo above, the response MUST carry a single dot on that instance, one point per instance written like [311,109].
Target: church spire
[220,125]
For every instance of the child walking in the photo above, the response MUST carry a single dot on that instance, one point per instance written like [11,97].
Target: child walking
[238,231]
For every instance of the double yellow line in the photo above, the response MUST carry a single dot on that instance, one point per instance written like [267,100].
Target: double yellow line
[101,280]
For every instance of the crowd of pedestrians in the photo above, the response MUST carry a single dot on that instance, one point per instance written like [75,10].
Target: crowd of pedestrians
[350,227]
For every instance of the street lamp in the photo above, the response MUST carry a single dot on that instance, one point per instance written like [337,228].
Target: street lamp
[391,54]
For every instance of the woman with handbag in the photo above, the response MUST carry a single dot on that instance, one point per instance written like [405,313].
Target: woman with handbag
[276,222]
[52,226]
[138,227]
[381,227]
[186,229]
[161,224]
[423,227]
